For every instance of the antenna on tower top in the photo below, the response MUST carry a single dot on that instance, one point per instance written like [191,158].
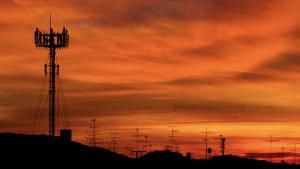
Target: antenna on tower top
[50,21]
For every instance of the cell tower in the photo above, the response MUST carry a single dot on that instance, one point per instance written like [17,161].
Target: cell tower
[52,40]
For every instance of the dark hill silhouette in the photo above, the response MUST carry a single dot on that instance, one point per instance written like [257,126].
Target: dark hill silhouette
[15,149]
[163,156]
[45,148]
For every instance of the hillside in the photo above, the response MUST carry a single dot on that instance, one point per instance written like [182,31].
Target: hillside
[53,150]
[45,148]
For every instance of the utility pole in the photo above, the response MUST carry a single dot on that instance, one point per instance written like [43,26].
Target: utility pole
[52,40]
[271,140]
[283,154]
[295,153]
[206,143]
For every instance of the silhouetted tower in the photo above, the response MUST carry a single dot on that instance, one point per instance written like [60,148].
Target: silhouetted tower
[137,138]
[145,147]
[271,140]
[128,150]
[137,151]
[206,143]
[92,134]
[283,153]
[295,152]
[51,40]
[173,145]
[222,144]
[114,141]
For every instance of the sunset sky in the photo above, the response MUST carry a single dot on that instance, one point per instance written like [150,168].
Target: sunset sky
[231,66]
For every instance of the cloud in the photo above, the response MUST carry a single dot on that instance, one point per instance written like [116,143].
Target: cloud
[215,51]
[287,62]
[254,77]
[80,87]
[267,155]
[221,49]
[276,69]
[230,78]
[293,33]
[8,4]
[195,80]
[136,13]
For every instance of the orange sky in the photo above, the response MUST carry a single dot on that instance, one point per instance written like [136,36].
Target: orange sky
[230,66]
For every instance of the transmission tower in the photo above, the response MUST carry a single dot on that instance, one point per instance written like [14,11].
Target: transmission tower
[137,151]
[146,146]
[172,140]
[92,134]
[53,41]
[114,141]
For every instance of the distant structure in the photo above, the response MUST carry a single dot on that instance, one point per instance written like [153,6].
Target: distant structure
[51,40]
[138,152]
[188,155]
[295,152]
[222,144]
[173,143]
[66,135]
[283,154]
[93,134]
[114,141]
[209,153]
[147,147]
[208,150]
[271,140]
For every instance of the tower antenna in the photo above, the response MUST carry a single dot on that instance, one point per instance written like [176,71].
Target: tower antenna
[50,21]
